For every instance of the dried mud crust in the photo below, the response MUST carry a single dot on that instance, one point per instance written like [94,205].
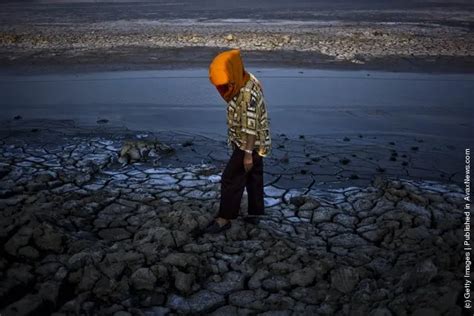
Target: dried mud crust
[81,234]
[411,45]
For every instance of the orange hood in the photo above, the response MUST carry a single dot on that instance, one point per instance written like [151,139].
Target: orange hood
[227,68]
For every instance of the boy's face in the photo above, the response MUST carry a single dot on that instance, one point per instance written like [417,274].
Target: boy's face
[225,90]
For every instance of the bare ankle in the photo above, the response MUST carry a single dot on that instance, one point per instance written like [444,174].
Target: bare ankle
[221,220]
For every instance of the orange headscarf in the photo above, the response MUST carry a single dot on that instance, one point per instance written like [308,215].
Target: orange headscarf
[228,68]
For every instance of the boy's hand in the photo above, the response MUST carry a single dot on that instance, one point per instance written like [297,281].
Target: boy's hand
[248,162]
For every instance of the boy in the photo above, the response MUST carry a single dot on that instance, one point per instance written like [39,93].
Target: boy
[248,134]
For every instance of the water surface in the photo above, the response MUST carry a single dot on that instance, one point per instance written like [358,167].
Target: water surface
[299,101]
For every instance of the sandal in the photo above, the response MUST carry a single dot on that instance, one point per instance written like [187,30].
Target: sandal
[213,227]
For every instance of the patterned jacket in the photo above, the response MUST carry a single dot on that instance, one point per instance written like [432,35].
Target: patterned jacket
[247,114]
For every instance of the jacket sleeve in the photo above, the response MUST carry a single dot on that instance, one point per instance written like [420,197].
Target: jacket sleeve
[249,115]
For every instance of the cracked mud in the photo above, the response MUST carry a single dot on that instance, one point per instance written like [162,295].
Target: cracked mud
[82,234]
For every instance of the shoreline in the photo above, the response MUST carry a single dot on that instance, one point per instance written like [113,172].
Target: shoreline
[296,162]
[163,43]
[199,57]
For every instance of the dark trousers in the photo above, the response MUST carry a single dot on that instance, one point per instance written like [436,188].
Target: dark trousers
[235,179]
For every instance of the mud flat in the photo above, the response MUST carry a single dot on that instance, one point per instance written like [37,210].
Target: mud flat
[81,233]
[145,44]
